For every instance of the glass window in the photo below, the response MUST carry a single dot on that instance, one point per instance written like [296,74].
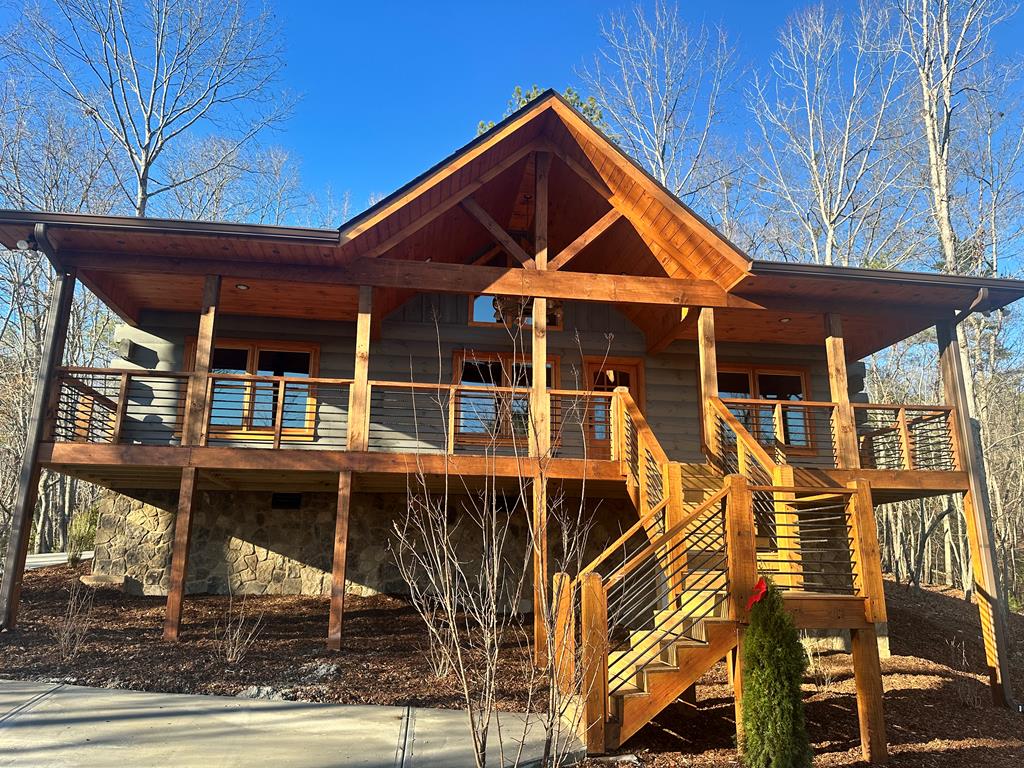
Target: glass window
[510,311]
[500,414]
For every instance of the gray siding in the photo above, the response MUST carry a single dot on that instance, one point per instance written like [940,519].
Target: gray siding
[408,350]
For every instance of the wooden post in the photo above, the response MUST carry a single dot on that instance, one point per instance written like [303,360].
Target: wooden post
[866,553]
[594,650]
[708,357]
[540,416]
[674,512]
[847,453]
[867,673]
[565,634]
[787,529]
[340,559]
[198,403]
[905,440]
[179,552]
[359,393]
[61,298]
[735,665]
[122,408]
[742,546]
[540,570]
[978,516]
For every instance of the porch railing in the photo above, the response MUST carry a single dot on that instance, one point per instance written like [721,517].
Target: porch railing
[141,407]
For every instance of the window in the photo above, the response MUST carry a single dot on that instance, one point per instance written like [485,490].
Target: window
[483,415]
[756,383]
[605,375]
[510,311]
[251,405]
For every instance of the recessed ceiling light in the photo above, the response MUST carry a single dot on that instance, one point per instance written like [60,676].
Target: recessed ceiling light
[783,319]
[242,286]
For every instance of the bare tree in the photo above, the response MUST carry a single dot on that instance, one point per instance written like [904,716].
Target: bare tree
[833,161]
[661,86]
[149,73]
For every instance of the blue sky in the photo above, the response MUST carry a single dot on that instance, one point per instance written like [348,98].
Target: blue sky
[388,89]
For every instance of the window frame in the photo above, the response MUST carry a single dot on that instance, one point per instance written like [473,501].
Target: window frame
[246,431]
[507,361]
[754,371]
[527,320]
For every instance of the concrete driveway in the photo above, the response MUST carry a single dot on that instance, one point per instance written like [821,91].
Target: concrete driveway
[51,724]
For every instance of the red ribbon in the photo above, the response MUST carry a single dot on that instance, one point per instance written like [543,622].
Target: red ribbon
[759,591]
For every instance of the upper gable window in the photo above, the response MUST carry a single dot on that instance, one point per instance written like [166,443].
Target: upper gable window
[510,312]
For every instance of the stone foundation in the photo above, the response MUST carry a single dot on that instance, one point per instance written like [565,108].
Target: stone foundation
[242,545]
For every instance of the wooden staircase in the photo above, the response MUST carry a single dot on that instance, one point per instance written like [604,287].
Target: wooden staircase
[667,600]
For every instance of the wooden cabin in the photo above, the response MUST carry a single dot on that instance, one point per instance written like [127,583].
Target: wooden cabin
[277,387]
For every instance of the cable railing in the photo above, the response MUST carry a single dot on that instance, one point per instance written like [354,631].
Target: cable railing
[658,590]
[905,437]
[805,538]
[794,432]
[646,465]
[115,406]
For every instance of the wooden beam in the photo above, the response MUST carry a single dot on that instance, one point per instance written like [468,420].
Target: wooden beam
[866,553]
[708,359]
[542,173]
[179,552]
[978,515]
[867,673]
[359,391]
[847,453]
[594,231]
[503,238]
[657,345]
[439,277]
[448,203]
[197,405]
[61,298]
[338,568]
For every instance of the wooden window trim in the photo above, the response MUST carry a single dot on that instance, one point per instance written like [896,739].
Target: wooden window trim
[507,360]
[753,370]
[248,433]
[593,361]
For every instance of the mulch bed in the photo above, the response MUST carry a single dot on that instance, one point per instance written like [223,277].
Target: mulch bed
[383,660]
[937,705]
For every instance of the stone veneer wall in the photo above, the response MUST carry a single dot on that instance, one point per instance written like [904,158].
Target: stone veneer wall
[240,544]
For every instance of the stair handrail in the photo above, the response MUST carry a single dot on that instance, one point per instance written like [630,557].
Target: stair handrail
[744,440]
[652,546]
[646,442]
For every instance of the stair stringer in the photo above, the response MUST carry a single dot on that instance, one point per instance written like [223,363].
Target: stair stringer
[663,685]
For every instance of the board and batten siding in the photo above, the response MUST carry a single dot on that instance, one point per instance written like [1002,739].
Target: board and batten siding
[418,343]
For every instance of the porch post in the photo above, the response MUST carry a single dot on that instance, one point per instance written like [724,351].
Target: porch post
[978,516]
[847,454]
[196,422]
[867,673]
[339,563]
[358,395]
[179,552]
[708,357]
[61,297]
[540,417]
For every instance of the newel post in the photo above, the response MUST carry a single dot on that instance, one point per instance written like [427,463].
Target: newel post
[594,652]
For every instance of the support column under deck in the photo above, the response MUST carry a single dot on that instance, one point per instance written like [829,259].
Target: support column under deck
[179,552]
[338,568]
[62,296]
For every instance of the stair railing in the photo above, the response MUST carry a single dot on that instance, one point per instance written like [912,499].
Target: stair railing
[644,462]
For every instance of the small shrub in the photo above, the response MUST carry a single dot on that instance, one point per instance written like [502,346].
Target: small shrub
[74,625]
[774,663]
[82,533]
[238,633]
[818,667]
[968,690]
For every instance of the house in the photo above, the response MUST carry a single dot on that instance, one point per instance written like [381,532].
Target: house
[277,387]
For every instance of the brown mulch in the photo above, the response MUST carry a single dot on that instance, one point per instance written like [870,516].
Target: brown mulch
[383,660]
[937,706]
